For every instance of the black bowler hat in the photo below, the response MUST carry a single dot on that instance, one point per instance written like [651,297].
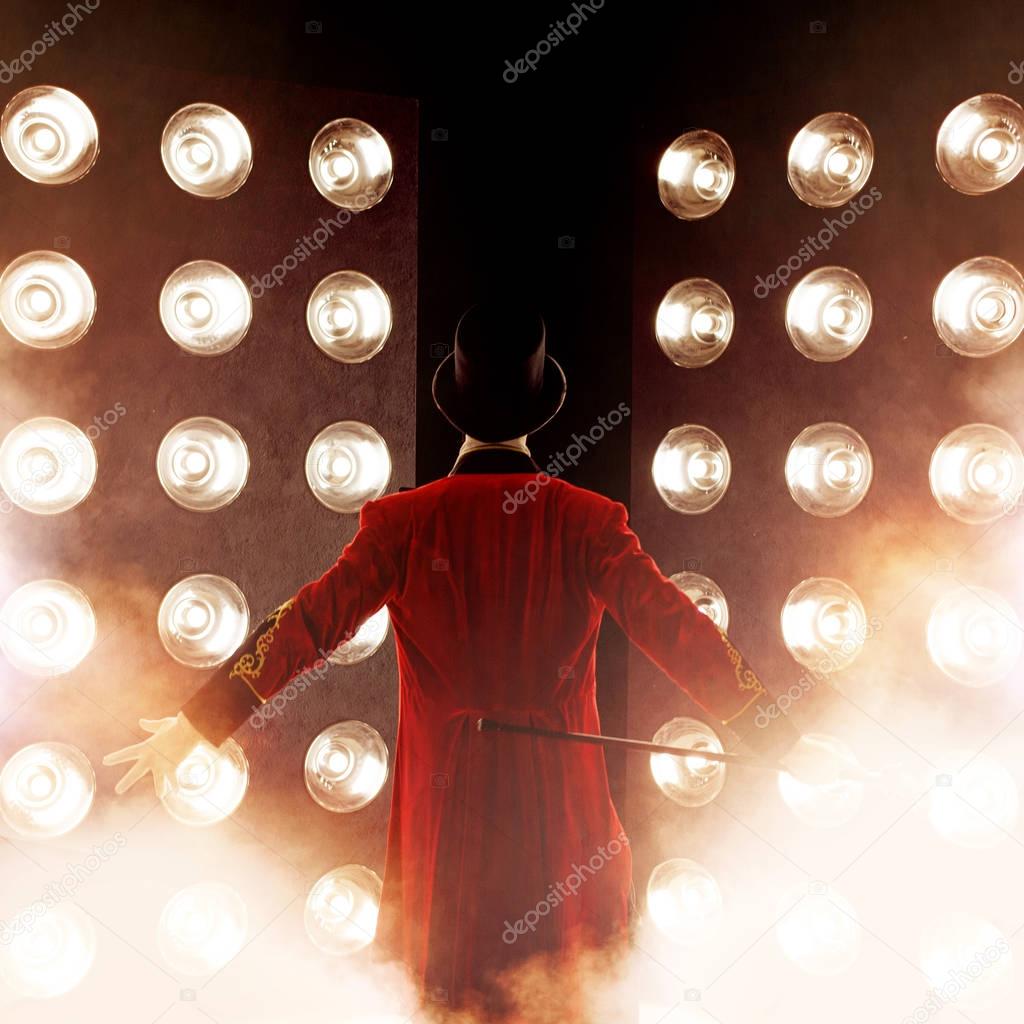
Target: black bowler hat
[499,383]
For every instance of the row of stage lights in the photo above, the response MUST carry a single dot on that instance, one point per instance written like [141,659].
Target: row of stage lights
[49,466]
[976,476]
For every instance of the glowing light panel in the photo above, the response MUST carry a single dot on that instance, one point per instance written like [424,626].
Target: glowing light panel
[366,642]
[978,147]
[46,790]
[203,464]
[683,900]
[696,175]
[206,150]
[209,785]
[203,620]
[346,766]
[690,781]
[830,160]
[342,908]
[824,624]
[47,627]
[828,314]
[706,595]
[46,300]
[977,806]
[202,928]
[349,316]
[821,934]
[694,322]
[978,309]
[691,469]
[52,957]
[205,308]
[828,469]
[977,473]
[824,806]
[347,465]
[350,164]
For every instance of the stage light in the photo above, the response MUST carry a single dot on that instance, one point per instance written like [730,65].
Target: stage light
[53,956]
[342,908]
[970,953]
[820,934]
[202,928]
[46,790]
[49,135]
[349,316]
[347,465]
[683,900]
[209,784]
[350,164]
[205,308]
[977,473]
[203,620]
[346,766]
[689,781]
[47,627]
[828,469]
[203,464]
[691,469]
[694,322]
[366,642]
[828,314]
[974,636]
[830,160]
[824,624]
[695,175]
[47,466]
[706,595]
[978,309]
[827,806]
[206,150]
[46,300]
[977,806]
[978,148]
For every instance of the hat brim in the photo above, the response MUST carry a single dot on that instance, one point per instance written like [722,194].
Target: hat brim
[487,417]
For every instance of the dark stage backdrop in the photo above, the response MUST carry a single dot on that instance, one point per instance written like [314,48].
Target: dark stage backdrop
[129,226]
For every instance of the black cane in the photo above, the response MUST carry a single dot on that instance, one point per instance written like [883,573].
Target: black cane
[617,743]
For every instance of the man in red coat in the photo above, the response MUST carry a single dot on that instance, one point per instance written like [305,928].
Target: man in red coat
[496,606]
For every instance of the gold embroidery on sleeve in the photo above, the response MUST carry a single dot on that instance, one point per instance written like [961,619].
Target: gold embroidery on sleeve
[249,666]
[744,675]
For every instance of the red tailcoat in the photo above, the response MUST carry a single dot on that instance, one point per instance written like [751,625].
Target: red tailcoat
[496,584]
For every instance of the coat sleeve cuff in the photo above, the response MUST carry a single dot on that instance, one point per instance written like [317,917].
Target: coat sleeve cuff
[220,706]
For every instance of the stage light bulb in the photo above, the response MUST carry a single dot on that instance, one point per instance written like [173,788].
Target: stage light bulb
[205,308]
[962,945]
[824,806]
[706,595]
[203,464]
[47,627]
[824,624]
[366,641]
[347,465]
[978,309]
[828,469]
[821,933]
[695,175]
[46,300]
[49,135]
[209,784]
[203,620]
[350,164]
[828,314]
[202,928]
[974,636]
[830,160]
[349,316]
[52,956]
[694,322]
[979,145]
[346,766]
[206,150]
[683,900]
[977,473]
[977,806]
[46,790]
[47,466]
[690,781]
[342,908]
[691,469]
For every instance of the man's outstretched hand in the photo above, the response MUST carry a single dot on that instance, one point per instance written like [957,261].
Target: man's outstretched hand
[172,741]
